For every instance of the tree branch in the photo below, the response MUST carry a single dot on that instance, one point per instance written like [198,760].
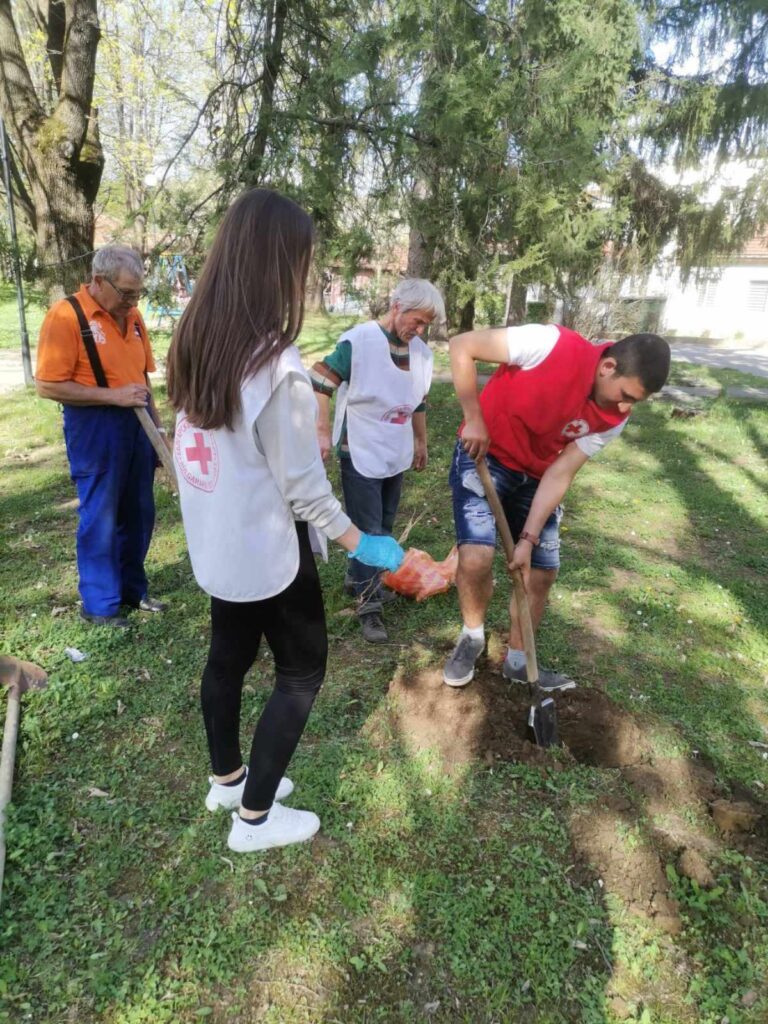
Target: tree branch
[188,136]
[78,71]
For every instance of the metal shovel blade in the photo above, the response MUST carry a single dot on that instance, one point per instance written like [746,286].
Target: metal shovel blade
[542,724]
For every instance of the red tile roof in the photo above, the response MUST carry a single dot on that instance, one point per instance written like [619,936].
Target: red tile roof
[757,248]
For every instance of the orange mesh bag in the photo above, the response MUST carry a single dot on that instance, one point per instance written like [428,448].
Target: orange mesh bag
[420,576]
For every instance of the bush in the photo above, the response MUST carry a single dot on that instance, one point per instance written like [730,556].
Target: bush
[539,312]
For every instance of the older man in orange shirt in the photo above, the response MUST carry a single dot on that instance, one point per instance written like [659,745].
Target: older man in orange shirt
[94,357]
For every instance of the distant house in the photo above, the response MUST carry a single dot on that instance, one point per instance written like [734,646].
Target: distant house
[731,301]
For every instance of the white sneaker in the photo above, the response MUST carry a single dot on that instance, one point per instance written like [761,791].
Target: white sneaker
[285,825]
[229,797]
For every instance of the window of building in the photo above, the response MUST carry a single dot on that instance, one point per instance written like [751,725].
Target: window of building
[707,294]
[757,297]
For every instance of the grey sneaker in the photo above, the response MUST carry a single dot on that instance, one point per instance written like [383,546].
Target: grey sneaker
[552,682]
[374,630]
[460,667]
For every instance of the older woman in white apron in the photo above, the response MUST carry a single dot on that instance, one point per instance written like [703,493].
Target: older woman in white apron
[381,372]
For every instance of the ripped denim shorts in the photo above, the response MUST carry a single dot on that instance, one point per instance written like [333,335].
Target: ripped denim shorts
[472,514]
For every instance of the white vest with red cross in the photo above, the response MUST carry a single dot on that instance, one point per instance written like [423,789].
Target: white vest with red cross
[240,530]
[532,415]
[379,402]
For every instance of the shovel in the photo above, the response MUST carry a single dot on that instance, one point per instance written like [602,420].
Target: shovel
[18,677]
[542,715]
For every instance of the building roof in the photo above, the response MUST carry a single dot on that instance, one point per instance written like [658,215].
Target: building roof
[756,249]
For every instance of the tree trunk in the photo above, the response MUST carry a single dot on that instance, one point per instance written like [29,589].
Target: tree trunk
[421,237]
[467,316]
[273,62]
[516,305]
[570,311]
[420,254]
[59,152]
[315,290]
[64,232]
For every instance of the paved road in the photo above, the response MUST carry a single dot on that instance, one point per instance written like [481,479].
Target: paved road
[748,360]
[11,372]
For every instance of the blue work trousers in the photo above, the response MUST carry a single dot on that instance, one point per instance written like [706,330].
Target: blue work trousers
[112,464]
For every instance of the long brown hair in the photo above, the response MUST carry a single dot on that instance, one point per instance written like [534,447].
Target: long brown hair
[247,306]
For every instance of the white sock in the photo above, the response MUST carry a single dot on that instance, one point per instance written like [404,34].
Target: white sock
[476,632]
[515,659]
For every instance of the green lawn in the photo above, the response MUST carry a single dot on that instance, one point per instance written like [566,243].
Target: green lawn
[496,892]
[10,334]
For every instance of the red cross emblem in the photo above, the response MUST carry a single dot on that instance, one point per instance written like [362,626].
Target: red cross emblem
[576,428]
[200,453]
[198,462]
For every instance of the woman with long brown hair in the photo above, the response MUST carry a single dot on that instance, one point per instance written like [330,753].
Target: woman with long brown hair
[251,482]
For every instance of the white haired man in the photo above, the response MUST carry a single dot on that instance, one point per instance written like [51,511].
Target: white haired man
[94,357]
[382,371]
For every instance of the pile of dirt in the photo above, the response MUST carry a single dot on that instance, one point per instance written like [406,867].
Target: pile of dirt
[488,720]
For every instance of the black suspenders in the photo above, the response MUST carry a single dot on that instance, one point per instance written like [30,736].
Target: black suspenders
[90,344]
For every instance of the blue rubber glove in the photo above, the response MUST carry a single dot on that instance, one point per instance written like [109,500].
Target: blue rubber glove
[380,552]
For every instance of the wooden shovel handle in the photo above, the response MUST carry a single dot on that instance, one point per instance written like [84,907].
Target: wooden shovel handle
[521,599]
[157,441]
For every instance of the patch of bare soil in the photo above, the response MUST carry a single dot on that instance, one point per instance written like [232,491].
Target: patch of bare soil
[629,867]
[488,719]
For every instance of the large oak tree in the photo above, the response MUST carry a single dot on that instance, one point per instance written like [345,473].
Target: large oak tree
[53,128]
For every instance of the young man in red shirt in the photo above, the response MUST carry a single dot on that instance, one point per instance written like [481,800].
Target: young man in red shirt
[555,401]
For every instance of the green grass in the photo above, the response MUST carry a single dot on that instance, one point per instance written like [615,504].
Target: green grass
[428,896]
[34,310]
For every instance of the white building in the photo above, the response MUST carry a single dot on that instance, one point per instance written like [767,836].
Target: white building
[730,303]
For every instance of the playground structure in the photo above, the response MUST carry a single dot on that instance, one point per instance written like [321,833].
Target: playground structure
[170,287]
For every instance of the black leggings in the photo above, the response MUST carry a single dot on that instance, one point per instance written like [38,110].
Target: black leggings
[293,624]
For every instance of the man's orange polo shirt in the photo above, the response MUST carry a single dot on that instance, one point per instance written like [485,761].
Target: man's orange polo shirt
[61,353]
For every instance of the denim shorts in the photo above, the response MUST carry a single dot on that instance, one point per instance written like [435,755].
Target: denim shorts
[473,517]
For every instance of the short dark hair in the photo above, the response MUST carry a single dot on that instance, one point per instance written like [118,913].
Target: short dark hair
[645,356]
